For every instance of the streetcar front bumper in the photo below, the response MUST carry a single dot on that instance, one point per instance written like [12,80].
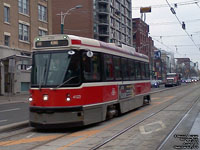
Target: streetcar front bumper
[56,117]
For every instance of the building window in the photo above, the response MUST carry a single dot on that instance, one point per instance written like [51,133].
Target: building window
[23,32]
[6,14]
[42,32]
[25,86]
[6,40]
[23,6]
[42,13]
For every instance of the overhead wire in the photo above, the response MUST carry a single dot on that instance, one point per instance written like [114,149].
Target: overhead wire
[181,23]
[178,4]
[169,36]
[197,4]
[162,44]
[168,23]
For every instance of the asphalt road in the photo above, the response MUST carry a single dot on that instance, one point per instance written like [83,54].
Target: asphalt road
[169,111]
[13,113]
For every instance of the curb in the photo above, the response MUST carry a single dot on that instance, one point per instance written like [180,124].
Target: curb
[14,126]
[166,89]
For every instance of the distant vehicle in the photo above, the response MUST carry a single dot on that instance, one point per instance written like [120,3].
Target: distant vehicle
[160,82]
[173,79]
[183,80]
[194,79]
[188,80]
[155,83]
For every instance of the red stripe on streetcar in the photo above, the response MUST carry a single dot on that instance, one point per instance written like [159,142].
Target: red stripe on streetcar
[76,42]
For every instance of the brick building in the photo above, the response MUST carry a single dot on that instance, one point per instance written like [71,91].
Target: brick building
[140,36]
[142,42]
[21,21]
[105,20]
[183,67]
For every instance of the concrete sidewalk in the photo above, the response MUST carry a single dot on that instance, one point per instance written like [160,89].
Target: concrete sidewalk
[14,98]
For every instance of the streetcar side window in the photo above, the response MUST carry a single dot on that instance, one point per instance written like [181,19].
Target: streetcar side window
[117,68]
[138,70]
[143,71]
[108,67]
[132,69]
[124,65]
[91,67]
[147,71]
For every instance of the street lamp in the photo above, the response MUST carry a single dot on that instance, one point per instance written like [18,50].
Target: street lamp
[63,15]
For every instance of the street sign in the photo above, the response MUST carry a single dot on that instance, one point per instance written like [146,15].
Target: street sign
[145,9]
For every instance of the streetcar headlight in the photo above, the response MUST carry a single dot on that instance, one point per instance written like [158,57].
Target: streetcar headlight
[30,99]
[45,97]
[68,98]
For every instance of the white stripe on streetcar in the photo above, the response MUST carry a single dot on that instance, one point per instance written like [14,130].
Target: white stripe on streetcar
[10,110]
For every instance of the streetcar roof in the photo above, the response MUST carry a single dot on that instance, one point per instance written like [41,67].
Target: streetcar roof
[77,42]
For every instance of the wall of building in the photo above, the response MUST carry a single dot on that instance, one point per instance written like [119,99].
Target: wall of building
[17,46]
[78,22]
[101,20]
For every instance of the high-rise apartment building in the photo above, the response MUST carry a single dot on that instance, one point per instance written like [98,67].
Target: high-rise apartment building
[20,22]
[105,20]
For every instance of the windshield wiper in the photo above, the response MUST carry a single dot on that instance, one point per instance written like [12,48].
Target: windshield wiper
[66,81]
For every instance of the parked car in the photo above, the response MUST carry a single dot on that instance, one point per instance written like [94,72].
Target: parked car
[155,83]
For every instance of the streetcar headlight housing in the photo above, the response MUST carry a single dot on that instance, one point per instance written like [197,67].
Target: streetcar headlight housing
[45,97]
[30,99]
[68,98]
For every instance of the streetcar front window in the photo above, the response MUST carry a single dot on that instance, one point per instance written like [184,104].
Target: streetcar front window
[56,69]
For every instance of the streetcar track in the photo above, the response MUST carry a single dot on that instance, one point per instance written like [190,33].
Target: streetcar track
[16,134]
[178,98]
[149,116]
[176,126]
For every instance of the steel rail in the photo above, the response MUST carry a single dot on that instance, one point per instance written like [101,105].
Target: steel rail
[133,125]
[176,126]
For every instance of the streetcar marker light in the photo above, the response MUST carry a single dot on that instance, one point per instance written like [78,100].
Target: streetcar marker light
[76,42]
[71,52]
[45,97]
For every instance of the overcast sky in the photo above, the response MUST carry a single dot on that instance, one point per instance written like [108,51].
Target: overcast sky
[163,25]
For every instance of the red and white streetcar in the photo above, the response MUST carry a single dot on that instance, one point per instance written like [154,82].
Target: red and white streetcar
[77,81]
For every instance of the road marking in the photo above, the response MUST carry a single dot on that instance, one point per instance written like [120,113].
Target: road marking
[30,135]
[152,127]
[23,141]
[155,98]
[3,120]
[10,110]
[82,135]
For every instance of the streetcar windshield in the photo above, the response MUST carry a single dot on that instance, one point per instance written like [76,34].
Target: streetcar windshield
[171,75]
[56,69]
